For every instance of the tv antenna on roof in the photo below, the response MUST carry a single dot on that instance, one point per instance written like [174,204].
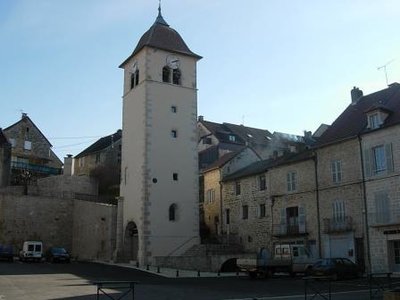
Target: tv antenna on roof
[384,69]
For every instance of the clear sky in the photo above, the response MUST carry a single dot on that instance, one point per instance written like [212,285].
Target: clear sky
[281,65]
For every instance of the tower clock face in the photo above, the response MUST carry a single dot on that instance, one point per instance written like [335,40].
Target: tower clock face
[173,62]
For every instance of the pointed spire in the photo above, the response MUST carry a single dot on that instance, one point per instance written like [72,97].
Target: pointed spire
[160,20]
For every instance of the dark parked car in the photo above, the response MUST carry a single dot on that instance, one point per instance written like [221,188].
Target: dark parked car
[336,268]
[6,252]
[57,254]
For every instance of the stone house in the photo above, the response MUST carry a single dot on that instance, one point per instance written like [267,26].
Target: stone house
[340,193]
[102,160]
[381,157]
[272,201]
[31,153]
[358,170]
[105,151]
[216,139]
[5,160]
[213,174]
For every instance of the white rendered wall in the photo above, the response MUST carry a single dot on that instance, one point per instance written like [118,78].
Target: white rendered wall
[149,152]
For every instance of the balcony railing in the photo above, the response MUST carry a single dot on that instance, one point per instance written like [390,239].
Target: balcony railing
[389,217]
[289,230]
[332,225]
[35,168]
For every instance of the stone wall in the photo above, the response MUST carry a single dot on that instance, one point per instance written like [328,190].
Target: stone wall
[94,230]
[5,161]
[36,218]
[254,232]
[212,200]
[86,229]
[64,186]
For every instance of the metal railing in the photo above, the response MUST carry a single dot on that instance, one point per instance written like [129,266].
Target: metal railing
[332,225]
[289,230]
[35,168]
[388,217]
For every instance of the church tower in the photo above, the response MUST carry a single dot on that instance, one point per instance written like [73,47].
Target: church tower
[159,171]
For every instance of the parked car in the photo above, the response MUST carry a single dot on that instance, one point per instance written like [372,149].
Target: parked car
[336,268]
[57,254]
[31,251]
[6,252]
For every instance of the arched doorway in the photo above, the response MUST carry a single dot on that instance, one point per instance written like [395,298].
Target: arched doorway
[131,242]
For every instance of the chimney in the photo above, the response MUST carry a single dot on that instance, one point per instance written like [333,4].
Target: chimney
[356,95]
[201,118]
[24,115]
[68,161]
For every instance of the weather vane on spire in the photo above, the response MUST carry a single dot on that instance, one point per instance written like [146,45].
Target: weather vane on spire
[159,7]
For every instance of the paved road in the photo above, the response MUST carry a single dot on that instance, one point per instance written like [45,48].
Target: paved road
[74,281]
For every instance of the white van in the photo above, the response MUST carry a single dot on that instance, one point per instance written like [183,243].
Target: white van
[31,250]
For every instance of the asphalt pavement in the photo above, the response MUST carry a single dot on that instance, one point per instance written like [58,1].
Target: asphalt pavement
[44,281]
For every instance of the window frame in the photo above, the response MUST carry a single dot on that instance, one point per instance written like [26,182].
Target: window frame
[172,210]
[262,210]
[336,171]
[338,211]
[291,179]
[245,212]
[262,183]
[238,189]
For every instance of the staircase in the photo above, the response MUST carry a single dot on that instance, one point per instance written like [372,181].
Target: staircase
[213,250]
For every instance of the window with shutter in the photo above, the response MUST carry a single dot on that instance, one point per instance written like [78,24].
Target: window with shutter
[382,208]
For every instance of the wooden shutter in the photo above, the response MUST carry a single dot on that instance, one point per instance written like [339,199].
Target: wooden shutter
[283,221]
[302,219]
[367,162]
[389,157]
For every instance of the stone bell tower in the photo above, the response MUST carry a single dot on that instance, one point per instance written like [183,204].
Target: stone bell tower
[159,171]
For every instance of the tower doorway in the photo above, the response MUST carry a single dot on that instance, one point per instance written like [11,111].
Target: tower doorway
[131,242]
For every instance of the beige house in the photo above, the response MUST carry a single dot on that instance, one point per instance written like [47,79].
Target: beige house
[380,145]
[340,193]
[159,186]
[357,171]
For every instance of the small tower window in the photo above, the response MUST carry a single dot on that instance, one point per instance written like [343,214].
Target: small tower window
[134,79]
[175,176]
[166,74]
[172,212]
[174,109]
[170,75]
[176,76]
[174,133]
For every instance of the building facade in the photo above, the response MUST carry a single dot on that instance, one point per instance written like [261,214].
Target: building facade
[212,176]
[5,160]
[31,153]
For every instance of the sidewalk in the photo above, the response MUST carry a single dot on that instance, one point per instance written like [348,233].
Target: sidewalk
[173,273]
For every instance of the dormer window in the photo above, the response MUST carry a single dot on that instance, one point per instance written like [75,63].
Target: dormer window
[376,116]
[373,120]
[232,138]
